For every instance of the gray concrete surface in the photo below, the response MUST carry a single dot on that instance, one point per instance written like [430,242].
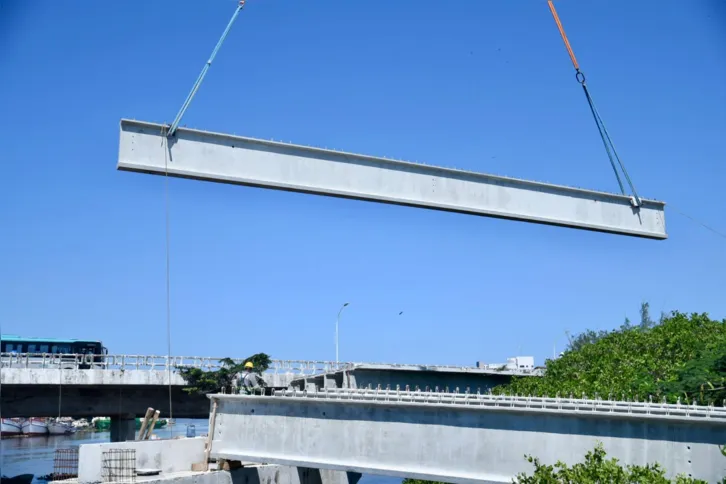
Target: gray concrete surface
[253,474]
[128,390]
[365,375]
[88,393]
[105,376]
[233,159]
[463,438]
[175,457]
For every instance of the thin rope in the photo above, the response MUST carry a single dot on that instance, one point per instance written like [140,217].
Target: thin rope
[168,272]
[702,224]
[60,387]
[1,390]
[200,78]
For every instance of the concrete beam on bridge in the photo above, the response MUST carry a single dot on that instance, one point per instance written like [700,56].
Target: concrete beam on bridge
[462,438]
[225,158]
[410,377]
[34,392]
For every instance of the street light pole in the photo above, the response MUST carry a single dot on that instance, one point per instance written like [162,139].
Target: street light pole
[337,321]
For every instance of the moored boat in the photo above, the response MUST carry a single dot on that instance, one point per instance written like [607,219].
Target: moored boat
[35,426]
[160,424]
[104,423]
[20,479]
[10,426]
[81,424]
[60,428]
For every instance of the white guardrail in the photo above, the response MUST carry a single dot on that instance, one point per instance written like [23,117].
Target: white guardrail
[156,363]
[647,409]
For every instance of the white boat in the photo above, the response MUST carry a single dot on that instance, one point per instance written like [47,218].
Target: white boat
[10,426]
[80,424]
[35,426]
[60,428]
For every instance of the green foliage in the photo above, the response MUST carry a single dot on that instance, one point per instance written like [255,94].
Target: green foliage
[222,380]
[589,336]
[597,469]
[679,356]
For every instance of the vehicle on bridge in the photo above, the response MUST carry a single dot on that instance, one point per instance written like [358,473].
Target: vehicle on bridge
[51,352]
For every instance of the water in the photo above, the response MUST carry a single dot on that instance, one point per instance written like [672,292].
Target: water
[34,455]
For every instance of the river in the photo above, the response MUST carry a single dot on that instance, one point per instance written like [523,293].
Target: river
[34,455]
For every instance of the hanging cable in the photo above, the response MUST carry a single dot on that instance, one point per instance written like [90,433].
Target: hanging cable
[604,135]
[702,224]
[199,80]
[165,145]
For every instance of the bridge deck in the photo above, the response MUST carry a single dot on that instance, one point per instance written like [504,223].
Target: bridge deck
[461,438]
[232,159]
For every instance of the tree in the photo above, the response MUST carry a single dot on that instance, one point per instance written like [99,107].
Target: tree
[671,358]
[202,382]
[598,469]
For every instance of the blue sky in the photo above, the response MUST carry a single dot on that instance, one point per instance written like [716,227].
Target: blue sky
[485,86]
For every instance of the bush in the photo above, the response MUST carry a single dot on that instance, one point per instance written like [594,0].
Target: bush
[598,470]
[679,357]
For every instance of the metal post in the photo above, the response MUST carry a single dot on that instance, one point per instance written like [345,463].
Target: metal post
[337,321]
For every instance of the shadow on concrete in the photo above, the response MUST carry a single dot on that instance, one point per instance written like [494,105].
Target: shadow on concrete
[502,418]
[291,475]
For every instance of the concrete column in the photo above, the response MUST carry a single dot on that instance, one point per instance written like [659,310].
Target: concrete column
[329,381]
[123,428]
[281,475]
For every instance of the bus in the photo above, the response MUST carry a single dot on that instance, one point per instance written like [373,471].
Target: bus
[93,351]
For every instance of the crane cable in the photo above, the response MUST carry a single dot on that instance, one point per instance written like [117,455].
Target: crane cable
[207,65]
[166,134]
[607,142]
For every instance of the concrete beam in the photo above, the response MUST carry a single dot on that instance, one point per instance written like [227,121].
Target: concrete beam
[54,376]
[224,158]
[97,400]
[174,458]
[461,438]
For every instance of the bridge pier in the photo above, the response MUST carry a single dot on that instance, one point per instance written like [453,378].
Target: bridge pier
[123,428]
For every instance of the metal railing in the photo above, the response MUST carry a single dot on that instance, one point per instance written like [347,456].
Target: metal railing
[161,363]
[639,409]
[488,369]
[155,363]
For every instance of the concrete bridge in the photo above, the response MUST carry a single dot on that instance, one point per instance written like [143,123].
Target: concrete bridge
[124,386]
[461,437]
[411,377]
[121,387]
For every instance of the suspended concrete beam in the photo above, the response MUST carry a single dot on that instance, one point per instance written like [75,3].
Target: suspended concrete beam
[225,158]
[461,438]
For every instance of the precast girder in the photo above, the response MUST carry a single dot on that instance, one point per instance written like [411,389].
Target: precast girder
[461,437]
[202,155]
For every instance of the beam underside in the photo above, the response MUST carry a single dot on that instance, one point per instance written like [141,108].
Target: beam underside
[462,445]
[231,159]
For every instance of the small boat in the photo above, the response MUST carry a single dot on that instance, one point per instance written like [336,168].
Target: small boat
[19,479]
[10,426]
[160,424]
[101,423]
[104,423]
[81,424]
[60,428]
[35,426]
